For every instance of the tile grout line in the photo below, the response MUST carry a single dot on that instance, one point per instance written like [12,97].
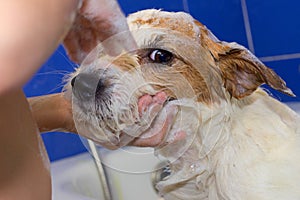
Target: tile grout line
[249,36]
[247,26]
[250,39]
[280,57]
[185,6]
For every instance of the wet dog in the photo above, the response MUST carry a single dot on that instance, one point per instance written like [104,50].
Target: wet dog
[239,142]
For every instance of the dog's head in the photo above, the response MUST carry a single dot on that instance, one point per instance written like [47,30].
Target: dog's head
[177,55]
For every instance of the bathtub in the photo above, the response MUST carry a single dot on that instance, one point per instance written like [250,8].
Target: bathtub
[129,174]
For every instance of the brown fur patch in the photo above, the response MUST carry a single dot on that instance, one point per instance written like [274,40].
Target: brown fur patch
[126,62]
[179,80]
[169,23]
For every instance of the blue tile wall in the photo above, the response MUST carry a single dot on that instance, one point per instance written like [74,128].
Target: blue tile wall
[275,31]
[223,17]
[275,26]
[136,5]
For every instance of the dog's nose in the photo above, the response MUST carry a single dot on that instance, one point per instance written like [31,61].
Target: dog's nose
[84,86]
[73,81]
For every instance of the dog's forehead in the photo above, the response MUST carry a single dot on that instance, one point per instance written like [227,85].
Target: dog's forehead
[177,21]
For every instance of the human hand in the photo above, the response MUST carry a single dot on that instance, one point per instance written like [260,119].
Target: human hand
[156,135]
[96,21]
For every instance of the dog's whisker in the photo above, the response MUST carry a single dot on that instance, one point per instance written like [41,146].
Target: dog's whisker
[56,72]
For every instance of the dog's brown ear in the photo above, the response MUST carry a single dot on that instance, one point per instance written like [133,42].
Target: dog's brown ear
[241,71]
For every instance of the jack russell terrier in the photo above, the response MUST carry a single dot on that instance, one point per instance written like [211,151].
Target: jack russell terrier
[239,143]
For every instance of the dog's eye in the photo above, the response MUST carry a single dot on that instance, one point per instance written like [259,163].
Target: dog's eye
[160,56]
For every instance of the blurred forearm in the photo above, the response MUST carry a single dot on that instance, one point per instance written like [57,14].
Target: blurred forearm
[52,113]
[24,169]
[36,26]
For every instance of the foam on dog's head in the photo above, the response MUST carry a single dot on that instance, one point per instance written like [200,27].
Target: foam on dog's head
[176,21]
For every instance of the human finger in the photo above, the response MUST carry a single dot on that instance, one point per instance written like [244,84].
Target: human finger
[156,135]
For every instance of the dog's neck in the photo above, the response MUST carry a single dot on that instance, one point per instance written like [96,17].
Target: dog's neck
[218,148]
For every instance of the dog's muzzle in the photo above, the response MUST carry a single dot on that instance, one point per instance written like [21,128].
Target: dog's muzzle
[105,106]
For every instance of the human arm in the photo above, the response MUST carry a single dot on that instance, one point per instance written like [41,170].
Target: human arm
[54,113]
[24,169]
